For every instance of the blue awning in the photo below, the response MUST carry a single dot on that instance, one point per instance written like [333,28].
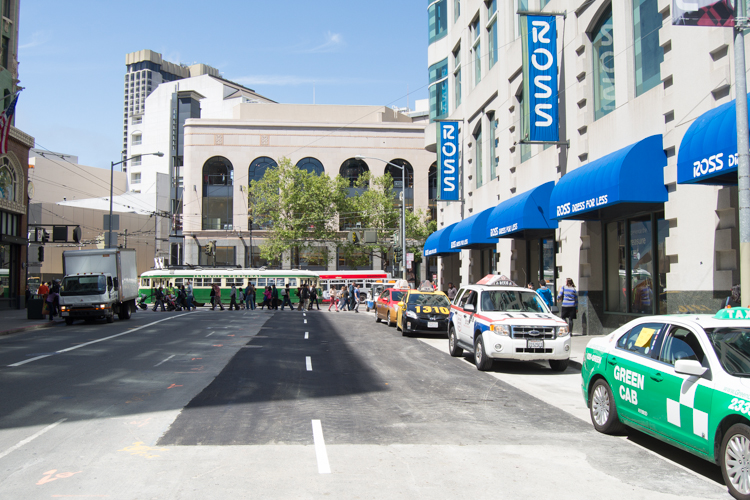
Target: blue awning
[612,184]
[439,242]
[708,151]
[472,232]
[525,214]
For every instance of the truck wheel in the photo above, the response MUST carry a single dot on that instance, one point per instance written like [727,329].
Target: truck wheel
[603,409]
[453,348]
[111,318]
[558,365]
[735,459]
[481,359]
[124,312]
[69,321]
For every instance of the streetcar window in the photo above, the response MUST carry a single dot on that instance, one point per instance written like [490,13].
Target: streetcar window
[261,282]
[292,282]
[178,281]
[144,281]
[217,281]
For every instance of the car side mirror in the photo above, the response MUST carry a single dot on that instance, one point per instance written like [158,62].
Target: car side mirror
[401,305]
[689,367]
[554,310]
[469,308]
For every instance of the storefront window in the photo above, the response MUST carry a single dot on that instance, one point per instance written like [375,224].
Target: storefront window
[636,265]
[604,66]
[5,259]
[313,258]
[353,259]
[7,181]
[478,154]
[225,256]
[648,53]
[548,263]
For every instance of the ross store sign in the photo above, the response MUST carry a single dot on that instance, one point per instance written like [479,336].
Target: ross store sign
[540,107]
[448,160]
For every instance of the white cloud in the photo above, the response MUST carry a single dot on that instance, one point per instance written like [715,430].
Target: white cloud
[332,42]
[37,38]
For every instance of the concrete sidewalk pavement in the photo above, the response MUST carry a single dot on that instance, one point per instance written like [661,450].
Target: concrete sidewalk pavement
[14,321]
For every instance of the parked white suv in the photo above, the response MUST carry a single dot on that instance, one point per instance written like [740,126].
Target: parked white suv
[504,321]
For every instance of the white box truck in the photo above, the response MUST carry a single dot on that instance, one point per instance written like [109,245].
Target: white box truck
[98,284]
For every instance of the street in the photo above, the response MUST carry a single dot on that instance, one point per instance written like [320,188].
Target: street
[259,404]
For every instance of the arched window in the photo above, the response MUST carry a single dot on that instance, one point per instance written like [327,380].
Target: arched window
[351,169]
[258,168]
[312,165]
[8,181]
[218,197]
[396,173]
[432,190]
[602,41]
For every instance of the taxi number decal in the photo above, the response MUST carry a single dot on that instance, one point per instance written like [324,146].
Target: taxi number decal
[430,309]
[739,405]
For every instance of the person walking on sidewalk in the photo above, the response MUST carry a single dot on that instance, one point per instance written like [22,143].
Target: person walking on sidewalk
[314,297]
[266,298]
[545,293]
[285,298]
[233,299]
[334,299]
[189,296]
[304,299]
[51,298]
[355,298]
[569,296]
[217,297]
[274,297]
[159,299]
[250,296]
[344,300]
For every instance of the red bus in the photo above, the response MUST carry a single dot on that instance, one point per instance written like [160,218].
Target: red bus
[366,280]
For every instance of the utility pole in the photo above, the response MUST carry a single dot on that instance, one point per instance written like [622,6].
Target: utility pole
[743,149]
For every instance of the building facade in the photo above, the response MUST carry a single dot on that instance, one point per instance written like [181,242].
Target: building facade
[618,214]
[222,156]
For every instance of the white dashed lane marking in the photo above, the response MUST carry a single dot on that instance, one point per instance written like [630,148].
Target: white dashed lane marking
[320,448]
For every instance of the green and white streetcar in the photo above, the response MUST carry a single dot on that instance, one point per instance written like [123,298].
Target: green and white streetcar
[203,279]
[684,379]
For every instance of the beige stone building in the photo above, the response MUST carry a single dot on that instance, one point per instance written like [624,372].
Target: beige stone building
[223,155]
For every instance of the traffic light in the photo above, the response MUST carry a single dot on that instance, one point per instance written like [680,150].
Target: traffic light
[45,237]
[213,248]
[40,254]
[398,254]
[77,234]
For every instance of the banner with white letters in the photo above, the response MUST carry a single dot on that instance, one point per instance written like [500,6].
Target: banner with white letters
[540,100]
[448,160]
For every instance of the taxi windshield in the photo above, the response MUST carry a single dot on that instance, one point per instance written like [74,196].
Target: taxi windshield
[424,299]
[732,347]
[512,300]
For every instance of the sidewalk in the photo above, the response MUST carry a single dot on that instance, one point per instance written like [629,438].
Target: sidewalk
[14,320]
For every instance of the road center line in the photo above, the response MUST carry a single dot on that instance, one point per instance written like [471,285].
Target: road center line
[308,362]
[320,448]
[305,321]
[210,334]
[95,341]
[49,428]
[307,335]
[164,361]
[304,314]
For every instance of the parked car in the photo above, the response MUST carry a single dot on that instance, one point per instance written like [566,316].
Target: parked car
[423,311]
[386,307]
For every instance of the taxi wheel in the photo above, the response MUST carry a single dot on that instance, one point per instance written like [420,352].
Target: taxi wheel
[453,348]
[377,317]
[603,410]
[735,461]
[481,359]
[388,318]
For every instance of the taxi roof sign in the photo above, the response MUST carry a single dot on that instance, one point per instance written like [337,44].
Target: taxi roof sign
[733,313]
[493,279]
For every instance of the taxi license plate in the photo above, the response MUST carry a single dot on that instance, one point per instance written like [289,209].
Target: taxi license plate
[64,314]
[432,324]
[535,344]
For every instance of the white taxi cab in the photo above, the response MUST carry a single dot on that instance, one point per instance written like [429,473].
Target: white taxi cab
[684,379]
[497,319]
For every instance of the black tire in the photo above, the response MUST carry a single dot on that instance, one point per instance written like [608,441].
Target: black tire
[110,319]
[377,318]
[481,359]
[603,409]
[388,318]
[69,321]
[453,348]
[559,365]
[124,311]
[736,439]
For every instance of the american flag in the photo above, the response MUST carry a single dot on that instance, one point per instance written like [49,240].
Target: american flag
[5,120]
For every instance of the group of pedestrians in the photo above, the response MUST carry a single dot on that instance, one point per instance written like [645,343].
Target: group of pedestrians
[178,297]
[567,296]
[345,298]
[50,293]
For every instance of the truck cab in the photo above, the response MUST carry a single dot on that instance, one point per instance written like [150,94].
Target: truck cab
[88,295]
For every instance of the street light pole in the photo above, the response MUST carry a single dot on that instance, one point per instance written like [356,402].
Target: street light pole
[403,208]
[111,188]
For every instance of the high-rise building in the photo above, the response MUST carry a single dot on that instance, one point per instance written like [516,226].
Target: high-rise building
[146,70]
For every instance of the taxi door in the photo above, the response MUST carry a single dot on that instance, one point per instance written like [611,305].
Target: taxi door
[465,323]
[683,401]
[630,367]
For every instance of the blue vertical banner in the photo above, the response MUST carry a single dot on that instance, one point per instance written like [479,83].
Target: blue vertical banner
[540,100]
[448,160]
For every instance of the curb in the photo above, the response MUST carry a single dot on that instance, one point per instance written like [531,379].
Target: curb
[36,326]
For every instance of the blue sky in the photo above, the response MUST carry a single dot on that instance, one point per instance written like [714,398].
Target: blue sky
[72,57]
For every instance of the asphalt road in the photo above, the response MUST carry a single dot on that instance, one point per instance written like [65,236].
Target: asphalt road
[300,405]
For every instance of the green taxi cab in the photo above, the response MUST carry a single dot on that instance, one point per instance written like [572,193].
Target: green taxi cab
[684,379]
